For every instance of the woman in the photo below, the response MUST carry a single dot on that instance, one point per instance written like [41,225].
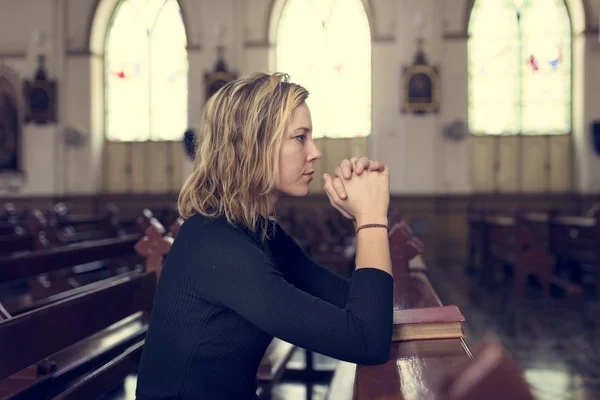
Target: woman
[234,279]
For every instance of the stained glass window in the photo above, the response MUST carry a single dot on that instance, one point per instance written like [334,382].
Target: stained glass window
[519,67]
[325,46]
[146,72]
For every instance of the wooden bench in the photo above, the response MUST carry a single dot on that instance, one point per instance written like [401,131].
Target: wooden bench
[22,242]
[326,236]
[509,242]
[411,289]
[31,235]
[575,241]
[38,231]
[10,219]
[53,285]
[476,239]
[491,375]
[91,342]
[79,228]
[561,251]
[155,245]
[516,241]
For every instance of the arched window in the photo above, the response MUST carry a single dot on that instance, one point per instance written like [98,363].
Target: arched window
[519,67]
[146,72]
[325,45]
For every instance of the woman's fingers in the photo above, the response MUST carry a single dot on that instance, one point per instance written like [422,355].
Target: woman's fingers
[332,193]
[376,166]
[361,165]
[338,171]
[358,165]
[346,169]
[339,188]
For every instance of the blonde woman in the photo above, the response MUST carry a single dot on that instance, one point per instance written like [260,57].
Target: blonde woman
[234,279]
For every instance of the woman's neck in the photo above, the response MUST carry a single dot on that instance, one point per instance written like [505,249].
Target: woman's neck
[272,200]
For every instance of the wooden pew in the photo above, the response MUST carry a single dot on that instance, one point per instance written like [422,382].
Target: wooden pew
[477,238]
[556,249]
[502,241]
[7,228]
[22,242]
[91,342]
[510,240]
[156,242]
[48,261]
[37,231]
[79,228]
[415,368]
[517,241]
[31,235]
[575,241]
[155,245]
[405,249]
[10,220]
[491,375]
[326,236]
[424,363]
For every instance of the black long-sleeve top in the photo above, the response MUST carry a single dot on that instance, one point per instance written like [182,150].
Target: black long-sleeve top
[224,294]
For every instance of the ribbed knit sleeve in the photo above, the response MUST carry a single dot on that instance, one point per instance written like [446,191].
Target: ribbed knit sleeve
[233,271]
[301,271]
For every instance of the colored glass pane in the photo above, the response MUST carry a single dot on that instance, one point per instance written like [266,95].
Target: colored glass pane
[519,67]
[146,72]
[325,46]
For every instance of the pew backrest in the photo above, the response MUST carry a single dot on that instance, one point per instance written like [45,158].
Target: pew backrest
[577,238]
[66,322]
[24,265]
[490,375]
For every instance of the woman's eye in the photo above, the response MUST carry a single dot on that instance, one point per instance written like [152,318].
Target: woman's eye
[300,138]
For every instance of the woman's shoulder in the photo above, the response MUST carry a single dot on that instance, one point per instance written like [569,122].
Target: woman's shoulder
[202,225]
[214,231]
[214,240]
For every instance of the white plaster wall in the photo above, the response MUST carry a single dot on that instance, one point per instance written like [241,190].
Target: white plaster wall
[420,159]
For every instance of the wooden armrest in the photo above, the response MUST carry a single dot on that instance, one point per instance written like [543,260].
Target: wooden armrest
[110,340]
[106,377]
[23,307]
[74,362]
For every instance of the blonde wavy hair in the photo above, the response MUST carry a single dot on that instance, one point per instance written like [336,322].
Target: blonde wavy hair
[236,163]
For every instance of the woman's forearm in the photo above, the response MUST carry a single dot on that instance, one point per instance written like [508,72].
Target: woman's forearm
[372,245]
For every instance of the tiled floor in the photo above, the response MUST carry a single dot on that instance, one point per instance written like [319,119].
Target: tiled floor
[557,344]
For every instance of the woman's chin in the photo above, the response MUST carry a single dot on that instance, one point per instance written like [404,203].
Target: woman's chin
[298,191]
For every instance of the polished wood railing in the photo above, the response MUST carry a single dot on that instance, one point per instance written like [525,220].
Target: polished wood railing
[415,369]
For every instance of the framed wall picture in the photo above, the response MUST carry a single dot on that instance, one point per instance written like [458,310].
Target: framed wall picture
[40,102]
[219,76]
[420,89]
[40,95]
[215,80]
[420,92]
[10,129]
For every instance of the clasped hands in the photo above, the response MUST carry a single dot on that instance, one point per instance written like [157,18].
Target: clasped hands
[338,188]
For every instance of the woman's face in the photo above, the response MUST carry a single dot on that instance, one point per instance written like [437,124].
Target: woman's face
[298,155]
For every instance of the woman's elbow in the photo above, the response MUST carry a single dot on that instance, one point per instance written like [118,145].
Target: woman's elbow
[379,354]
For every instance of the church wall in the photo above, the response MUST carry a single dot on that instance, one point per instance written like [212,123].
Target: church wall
[28,28]
[422,162]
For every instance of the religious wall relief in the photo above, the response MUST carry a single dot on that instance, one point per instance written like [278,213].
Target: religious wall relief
[420,85]
[40,96]
[10,127]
